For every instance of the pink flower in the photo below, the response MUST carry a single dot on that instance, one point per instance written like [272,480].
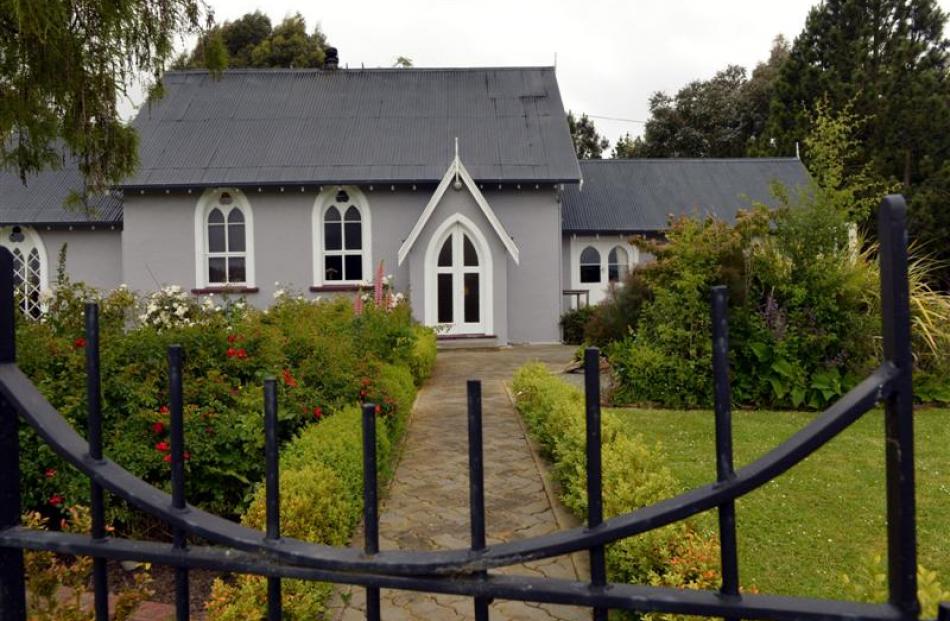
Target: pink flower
[56,500]
[162,446]
[379,410]
[163,409]
[167,458]
[50,473]
[79,343]
[232,338]
[378,286]
[318,412]
[158,428]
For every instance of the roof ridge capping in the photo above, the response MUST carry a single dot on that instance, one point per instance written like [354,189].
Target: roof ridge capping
[776,158]
[275,70]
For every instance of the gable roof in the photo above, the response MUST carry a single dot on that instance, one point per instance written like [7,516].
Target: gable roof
[299,126]
[639,195]
[41,200]
[458,174]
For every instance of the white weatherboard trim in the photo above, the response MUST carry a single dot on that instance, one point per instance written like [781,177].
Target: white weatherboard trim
[323,201]
[206,202]
[603,245]
[486,273]
[455,173]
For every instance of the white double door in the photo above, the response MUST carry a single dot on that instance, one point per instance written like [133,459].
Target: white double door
[460,284]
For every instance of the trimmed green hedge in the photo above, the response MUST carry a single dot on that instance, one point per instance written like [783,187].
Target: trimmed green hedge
[321,484]
[635,475]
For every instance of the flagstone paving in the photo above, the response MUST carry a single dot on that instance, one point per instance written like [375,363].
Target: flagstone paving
[427,504]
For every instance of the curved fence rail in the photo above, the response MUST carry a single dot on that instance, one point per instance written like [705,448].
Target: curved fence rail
[238,549]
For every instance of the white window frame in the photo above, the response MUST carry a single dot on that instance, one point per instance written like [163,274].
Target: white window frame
[600,265]
[623,267]
[31,240]
[208,201]
[485,270]
[603,244]
[323,202]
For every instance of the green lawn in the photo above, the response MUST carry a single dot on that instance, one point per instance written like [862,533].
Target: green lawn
[823,518]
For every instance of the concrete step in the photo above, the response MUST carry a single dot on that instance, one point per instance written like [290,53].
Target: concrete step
[468,341]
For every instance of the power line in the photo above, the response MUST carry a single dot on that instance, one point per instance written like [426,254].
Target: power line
[615,118]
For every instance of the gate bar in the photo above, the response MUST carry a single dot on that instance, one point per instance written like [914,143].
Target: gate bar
[100,585]
[370,503]
[12,582]
[272,489]
[728,547]
[182,607]
[898,407]
[476,484]
[595,501]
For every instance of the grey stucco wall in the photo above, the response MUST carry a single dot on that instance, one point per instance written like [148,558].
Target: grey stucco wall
[92,257]
[532,218]
[158,247]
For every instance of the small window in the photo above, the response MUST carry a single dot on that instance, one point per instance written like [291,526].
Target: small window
[590,265]
[618,264]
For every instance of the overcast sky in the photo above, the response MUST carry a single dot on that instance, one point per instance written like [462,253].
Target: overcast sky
[611,55]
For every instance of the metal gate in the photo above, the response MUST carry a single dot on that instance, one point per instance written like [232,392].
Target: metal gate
[235,548]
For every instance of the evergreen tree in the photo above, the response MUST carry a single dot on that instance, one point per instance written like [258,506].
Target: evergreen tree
[626,147]
[588,144]
[889,60]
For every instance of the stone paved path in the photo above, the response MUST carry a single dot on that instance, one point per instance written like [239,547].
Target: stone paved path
[427,506]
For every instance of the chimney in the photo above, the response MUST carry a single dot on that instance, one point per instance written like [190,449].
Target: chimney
[332,60]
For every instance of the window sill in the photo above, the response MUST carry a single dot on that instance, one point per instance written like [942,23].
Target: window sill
[224,290]
[345,288]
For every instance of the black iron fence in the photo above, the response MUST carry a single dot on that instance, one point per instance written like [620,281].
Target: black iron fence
[235,548]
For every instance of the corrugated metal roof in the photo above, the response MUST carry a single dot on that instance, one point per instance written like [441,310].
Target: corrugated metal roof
[41,200]
[641,194]
[354,125]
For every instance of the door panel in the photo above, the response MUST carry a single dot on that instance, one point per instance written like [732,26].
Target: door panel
[459,282]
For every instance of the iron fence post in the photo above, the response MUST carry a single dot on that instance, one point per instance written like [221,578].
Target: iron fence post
[272,491]
[728,546]
[898,407]
[370,503]
[476,483]
[12,578]
[176,409]
[100,586]
[595,501]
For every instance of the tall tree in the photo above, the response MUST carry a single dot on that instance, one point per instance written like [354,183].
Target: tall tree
[757,94]
[889,60]
[706,118]
[588,144]
[64,66]
[626,147]
[724,116]
[251,41]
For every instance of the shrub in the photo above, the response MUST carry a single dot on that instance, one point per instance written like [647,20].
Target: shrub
[572,324]
[321,483]
[47,572]
[319,351]
[619,315]
[870,585]
[634,476]
[423,354]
